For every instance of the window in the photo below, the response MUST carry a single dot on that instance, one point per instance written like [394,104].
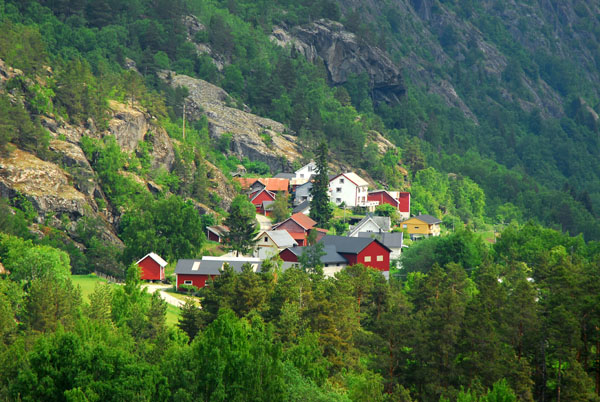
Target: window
[341,181]
[302,175]
[404,226]
[338,200]
[187,282]
[416,227]
[338,190]
[368,258]
[304,197]
[326,265]
[379,258]
[266,239]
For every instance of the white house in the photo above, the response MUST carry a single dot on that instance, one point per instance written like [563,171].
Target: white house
[306,171]
[371,224]
[271,242]
[350,189]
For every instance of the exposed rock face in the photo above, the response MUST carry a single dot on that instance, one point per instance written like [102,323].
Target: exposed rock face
[162,149]
[48,188]
[248,130]
[220,186]
[128,125]
[7,72]
[343,55]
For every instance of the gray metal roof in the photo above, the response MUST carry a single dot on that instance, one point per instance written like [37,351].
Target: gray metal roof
[281,238]
[390,240]
[301,207]
[384,223]
[331,255]
[347,245]
[430,220]
[282,175]
[213,266]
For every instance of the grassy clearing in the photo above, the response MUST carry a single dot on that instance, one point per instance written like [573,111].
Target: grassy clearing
[87,284]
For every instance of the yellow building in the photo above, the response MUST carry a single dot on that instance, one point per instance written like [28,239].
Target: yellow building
[422,226]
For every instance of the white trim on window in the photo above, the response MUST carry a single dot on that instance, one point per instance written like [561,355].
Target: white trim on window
[368,258]
[188,282]
[379,258]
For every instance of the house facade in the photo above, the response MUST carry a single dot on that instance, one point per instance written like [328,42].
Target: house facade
[373,224]
[152,267]
[332,261]
[306,171]
[259,197]
[422,226]
[360,250]
[298,226]
[302,193]
[350,189]
[394,241]
[271,242]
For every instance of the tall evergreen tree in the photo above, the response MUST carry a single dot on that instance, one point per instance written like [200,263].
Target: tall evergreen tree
[242,226]
[320,210]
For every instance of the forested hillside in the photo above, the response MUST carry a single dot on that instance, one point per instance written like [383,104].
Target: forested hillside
[122,121]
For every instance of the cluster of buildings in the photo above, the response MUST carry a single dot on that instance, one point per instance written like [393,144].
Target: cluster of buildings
[370,242]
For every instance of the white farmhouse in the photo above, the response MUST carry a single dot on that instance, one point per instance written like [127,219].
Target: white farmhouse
[306,171]
[350,189]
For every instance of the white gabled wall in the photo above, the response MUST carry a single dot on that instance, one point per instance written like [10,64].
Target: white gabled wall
[344,190]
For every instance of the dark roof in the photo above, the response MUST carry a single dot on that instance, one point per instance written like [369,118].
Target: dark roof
[268,205]
[288,176]
[348,245]
[301,207]
[428,219]
[390,240]
[331,255]
[213,266]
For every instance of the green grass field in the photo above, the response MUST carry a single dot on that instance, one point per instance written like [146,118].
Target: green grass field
[87,284]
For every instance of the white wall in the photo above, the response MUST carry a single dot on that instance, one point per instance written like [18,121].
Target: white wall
[306,171]
[348,192]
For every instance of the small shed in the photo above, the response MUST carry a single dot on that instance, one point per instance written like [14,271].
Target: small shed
[153,267]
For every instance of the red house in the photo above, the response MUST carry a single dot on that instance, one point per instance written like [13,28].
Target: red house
[299,226]
[398,199]
[197,272]
[259,197]
[153,267]
[361,250]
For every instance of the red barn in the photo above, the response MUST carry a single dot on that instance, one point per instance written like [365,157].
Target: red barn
[197,272]
[153,267]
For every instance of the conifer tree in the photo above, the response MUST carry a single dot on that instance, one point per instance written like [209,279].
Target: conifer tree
[242,226]
[320,210]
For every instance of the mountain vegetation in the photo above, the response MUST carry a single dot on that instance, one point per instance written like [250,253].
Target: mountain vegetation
[492,122]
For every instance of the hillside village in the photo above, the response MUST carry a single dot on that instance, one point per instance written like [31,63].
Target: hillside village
[378,221]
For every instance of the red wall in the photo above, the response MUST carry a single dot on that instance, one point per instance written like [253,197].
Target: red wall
[198,281]
[291,226]
[373,250]
[287,256]
[264,196]
[213,237]
[151,270]
[404,202]
[383,198]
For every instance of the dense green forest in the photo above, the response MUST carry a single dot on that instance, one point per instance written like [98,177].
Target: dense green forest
[463,320]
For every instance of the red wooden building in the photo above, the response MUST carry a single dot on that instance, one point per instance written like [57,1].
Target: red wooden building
[259,197]
[216,233]
[398,199]
[355,250]
[197,272]
[299,226]
[153,267]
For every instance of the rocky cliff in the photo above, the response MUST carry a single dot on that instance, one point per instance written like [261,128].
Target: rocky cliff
[343,54]
[254,137]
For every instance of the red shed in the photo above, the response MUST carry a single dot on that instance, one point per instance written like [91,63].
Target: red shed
[153,267]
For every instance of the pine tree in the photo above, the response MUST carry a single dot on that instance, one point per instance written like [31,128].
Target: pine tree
[242,226]
[320,210]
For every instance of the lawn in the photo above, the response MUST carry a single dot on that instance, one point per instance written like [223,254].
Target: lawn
[87,284]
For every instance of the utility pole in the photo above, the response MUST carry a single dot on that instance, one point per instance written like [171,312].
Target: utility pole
[184,120]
